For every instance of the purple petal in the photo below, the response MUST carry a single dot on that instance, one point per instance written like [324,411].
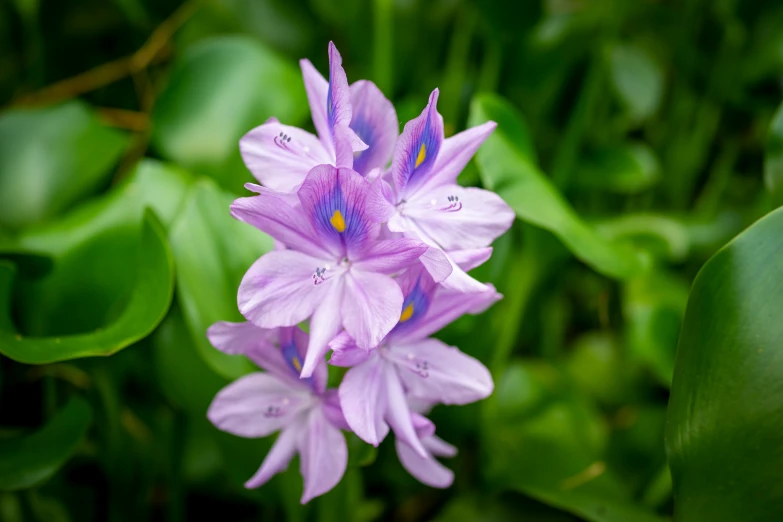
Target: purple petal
[469,259]
[256,343]
[458,218]
[278,458]
[345,353]
[437,264]
[334,202]
[379,205]
[423,426]
[330,401]
[280,156]
[426,470]
[317,93]
[398,415]
[371,306]
[274,216]
[389,256]
[439,447]
[454,154]
[433,371]
[375,122]
[282,289]
[363,400]
[461,282]
[338,99]
[418,289]
[323,456]
[324,326]
[417,148]
[256,405]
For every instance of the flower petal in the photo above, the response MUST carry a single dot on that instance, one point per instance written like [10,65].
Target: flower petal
[324,326]
[278,458]
[256,405]
[437,264]
[259,344]
[439,447]
[458,218]
[334,201]
[389,256]
[426,470]
[433,371]
[282,288]
[370,307]
[454,154]
[317,92]
[280,220]
[363,400]
[345,353]
[469,259]
[323,455]
[375,121]
[417,148]
[330,401]
[280,156]
[398,414]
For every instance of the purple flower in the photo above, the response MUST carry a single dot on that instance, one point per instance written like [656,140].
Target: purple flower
[374,392]
[427,201]
[280,156]
[337,271]
[307,415]
[426,469]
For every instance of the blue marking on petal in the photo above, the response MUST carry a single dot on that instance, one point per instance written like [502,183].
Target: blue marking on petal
[294,360]
[414,306]
[366,133]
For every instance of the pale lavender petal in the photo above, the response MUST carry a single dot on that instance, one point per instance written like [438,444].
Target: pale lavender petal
[343,148]
[426,470]
[345,353]
[454,154]
[278,458]
[434,371]
[379,202]
[333,200]
[330,401]
[338,102]
[389,256]
[371,307]
[280,220]
[461,282]
[423,426]
[324,326]
[323,455]
[280,156]
[293,348]
[290,198]
[363,400]
[282,288]
[437,264]
[469,259]
[398,415]
[256,405]
[439,447]
[417,148]
[317,93]
[375,121]
[418,289]
[259,344]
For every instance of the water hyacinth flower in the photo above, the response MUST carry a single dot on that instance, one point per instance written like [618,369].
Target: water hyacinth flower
[307,415]
[426,200]
[336,271]
[408,364]
[280,156]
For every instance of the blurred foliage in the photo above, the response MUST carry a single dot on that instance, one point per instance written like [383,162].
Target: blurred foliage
[635,139]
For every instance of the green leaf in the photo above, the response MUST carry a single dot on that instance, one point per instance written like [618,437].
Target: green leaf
[724,419]
[32,459]
[629,168]
[219,90]
[151,289]
[50,158]
[773,158]
[213,251]
[507,167]
[637,80]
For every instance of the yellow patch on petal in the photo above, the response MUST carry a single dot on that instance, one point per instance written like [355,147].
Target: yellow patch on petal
[422,155]
[337,221]
[297,364]
[407,313]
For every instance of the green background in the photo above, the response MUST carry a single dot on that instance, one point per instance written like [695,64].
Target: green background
[637,353]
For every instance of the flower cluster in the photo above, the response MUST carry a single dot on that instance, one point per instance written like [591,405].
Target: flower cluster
[375,258]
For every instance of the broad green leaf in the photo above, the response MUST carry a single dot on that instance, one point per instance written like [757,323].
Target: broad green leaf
[213,251]
[507,168]
[724,419]
[629,168]
[29,460]
[773,158]
[50,158]
[637,80]
[136,315]
[661,235]
[219,90]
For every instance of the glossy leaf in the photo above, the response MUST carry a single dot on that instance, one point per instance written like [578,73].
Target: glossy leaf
[773,158]
[637,80]
[150,296]
[507,168]
[629,168]
[219,90]
[724,419]
[50,158]
[213,251]
[29,460]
